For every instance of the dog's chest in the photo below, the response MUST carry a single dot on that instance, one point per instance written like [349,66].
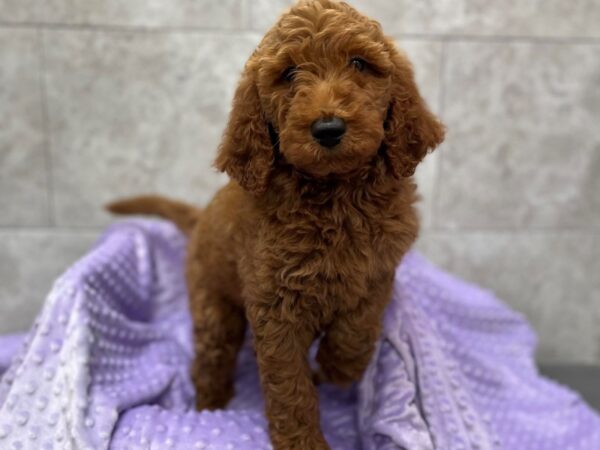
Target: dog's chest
[331,258]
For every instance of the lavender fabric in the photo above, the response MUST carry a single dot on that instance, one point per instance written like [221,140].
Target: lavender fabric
[106,366]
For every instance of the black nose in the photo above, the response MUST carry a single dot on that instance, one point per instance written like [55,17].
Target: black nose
[328,132]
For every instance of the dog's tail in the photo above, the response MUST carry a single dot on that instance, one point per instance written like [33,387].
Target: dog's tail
[182,214]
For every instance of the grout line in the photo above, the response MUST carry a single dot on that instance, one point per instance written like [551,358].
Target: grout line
[437,183]
[47,143]
[144,29]
[52,229]
[247,27]
[417,37]
[498,39]
[4,229]
[515,230]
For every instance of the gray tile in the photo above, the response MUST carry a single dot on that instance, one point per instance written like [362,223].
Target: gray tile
[476,17]
[137,112]
[425,57]
[264,13]
[23,177]
[143,13]
[29,263]
[122,104]
[582,378]
[465,17]
[551,277]
[426,179]
[523,148]
[18,11]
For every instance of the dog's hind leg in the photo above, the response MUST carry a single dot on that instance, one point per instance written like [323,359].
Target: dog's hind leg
[219,327]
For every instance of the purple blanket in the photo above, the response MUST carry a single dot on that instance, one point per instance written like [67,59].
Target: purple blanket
[106,366]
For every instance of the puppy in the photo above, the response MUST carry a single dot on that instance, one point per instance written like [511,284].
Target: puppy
[326,130]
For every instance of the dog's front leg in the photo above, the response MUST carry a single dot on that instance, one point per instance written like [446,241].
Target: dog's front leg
[291,399]
[348,344]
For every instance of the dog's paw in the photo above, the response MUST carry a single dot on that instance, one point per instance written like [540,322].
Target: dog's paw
[342,375]
[211,399]
[319,377]
[312,442]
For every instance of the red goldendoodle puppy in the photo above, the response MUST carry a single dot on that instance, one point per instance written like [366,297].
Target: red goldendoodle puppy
[326,130]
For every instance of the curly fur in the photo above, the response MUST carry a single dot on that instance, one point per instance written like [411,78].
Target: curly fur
[303,241]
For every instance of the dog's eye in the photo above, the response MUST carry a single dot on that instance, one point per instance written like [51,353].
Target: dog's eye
[289,74]
[358,63]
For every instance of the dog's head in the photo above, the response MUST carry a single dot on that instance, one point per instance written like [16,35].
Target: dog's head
[328,91]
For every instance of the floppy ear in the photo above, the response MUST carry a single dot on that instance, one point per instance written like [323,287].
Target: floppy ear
[246,153]
[411,130]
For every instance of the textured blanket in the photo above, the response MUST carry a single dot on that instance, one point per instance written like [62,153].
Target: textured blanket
[106,366]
